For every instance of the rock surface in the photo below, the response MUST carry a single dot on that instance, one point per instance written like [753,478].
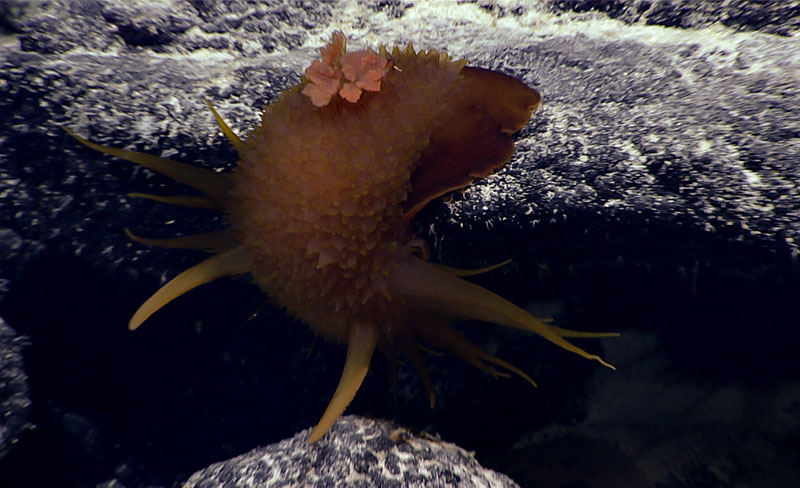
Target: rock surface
[15,397]
[357,452]
[648,424]
[656,192]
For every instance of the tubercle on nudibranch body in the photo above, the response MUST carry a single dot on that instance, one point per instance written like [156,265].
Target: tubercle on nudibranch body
[321,199]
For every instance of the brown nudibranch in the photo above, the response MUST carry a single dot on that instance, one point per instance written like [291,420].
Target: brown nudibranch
[321,200]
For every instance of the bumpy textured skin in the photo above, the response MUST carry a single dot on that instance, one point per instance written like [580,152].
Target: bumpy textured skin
[319,191]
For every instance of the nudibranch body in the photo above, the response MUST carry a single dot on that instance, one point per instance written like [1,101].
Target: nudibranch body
[320,203]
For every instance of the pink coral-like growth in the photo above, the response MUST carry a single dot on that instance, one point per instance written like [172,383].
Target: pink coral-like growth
[335,49]
[325,81]
[363,70]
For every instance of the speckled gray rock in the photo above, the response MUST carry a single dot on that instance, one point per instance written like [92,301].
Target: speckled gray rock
[15,401]
[773,17]
[358,452]
[645,126]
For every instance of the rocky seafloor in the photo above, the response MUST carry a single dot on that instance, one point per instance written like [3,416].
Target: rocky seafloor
[655,193]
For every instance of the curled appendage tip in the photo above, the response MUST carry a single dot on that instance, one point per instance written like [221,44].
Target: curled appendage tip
[213,241]
[226,130]
[230,262]
[360,346]
[462,272]
[601,361]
